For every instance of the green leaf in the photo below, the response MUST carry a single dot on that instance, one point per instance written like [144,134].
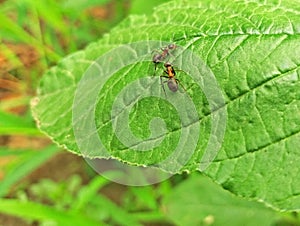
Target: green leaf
[211,205]
[236,119]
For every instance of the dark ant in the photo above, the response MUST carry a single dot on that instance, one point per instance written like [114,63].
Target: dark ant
[159,57]
[172,82]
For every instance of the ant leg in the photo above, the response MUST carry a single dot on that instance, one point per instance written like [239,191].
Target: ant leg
[156,59]
[171,55]
[162,83]
[177,69]
[154,51]
[180,84]
[156,66]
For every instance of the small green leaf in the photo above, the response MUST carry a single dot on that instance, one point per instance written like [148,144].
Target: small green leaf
[237,119]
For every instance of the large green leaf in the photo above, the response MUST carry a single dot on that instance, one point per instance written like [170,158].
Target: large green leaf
[240,68]
[212,205]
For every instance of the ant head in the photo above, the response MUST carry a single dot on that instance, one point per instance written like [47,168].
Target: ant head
[167,64]
[171,46]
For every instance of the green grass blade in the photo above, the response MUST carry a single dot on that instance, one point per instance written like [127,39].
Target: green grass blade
[88,192]
[36,211]
[11,124]
[25,165]
[116,213]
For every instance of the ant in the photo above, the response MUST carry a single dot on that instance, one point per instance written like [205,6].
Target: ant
[172,82]
[159,57]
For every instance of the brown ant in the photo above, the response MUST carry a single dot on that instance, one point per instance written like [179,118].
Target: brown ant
[159,57]
[172,82]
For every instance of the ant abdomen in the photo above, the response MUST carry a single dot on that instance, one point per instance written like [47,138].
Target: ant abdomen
[173,85]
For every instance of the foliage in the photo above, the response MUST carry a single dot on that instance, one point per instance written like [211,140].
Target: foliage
[252,50]
[251,47]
